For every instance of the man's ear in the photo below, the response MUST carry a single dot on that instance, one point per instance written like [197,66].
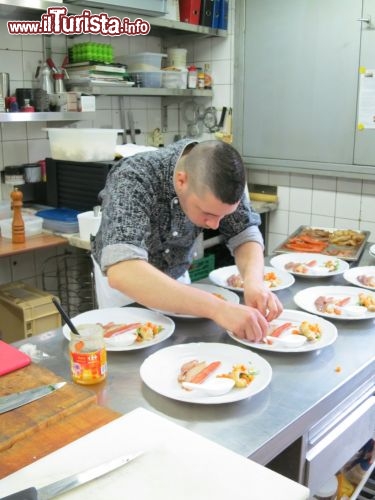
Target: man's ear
[181,180]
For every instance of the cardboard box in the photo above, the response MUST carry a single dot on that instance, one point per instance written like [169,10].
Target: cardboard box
[86,103]
[25,311]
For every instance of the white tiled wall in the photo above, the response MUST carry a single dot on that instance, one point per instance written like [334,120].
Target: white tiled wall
[19,56]
[319,201]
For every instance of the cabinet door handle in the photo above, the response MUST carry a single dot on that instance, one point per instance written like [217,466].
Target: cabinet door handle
[365,20]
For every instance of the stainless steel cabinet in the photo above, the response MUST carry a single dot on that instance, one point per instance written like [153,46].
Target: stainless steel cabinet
[297,85]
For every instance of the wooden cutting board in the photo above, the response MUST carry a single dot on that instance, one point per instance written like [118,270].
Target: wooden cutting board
[45,425]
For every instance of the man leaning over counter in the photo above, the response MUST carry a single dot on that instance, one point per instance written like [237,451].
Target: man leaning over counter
[155,205]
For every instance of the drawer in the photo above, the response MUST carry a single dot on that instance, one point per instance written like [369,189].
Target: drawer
[328,455]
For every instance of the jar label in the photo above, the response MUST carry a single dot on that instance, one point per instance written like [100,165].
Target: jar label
[89,367]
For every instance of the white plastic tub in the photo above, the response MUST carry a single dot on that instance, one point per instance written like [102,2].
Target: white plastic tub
[82,144]
[88,224]
[33,226]
[143,61]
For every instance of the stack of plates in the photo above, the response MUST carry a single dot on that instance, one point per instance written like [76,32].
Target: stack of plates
[372,250]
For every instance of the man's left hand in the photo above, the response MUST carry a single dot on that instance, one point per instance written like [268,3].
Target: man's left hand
[258,296]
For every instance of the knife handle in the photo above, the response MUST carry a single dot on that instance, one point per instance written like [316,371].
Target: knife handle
[28,494]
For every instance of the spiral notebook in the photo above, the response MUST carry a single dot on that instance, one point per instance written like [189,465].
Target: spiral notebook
[11,358]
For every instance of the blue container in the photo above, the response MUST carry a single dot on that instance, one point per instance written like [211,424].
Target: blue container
[60,220]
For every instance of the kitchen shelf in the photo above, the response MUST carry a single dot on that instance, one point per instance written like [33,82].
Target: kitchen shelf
[135,91]
[45,116]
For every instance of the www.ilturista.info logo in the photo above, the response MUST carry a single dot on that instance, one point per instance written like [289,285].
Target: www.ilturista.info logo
[57,22]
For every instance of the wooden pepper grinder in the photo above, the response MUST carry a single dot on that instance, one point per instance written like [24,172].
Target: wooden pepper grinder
[18,225]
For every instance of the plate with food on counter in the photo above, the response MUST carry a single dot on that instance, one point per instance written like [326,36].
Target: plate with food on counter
[126,328]
[346,244]
[206,373]
[309,265]
[337,302]
[229,277]
[295,331]
[361,276]
[219,292]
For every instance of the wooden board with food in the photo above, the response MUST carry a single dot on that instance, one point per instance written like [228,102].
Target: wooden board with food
[346,244]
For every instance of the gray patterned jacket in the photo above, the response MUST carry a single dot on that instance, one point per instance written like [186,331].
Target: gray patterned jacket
[142,218]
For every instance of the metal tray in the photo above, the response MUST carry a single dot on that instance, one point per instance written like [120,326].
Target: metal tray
[349,253]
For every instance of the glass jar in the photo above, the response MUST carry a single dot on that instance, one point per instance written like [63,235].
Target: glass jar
[88,356]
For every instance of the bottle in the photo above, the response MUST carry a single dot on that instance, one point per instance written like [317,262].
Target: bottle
[45,81]
[13,104]
[18,225]
[88,356]
[192,78]
[200,82]
[58,79]
[207,77]
[27,108]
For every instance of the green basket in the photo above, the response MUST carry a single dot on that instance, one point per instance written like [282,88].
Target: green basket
[201,268]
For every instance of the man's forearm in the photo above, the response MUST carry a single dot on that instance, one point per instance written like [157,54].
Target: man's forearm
[250,261]
[150,287]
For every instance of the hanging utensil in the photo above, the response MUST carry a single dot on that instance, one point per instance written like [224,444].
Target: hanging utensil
[123,118]
[131,126]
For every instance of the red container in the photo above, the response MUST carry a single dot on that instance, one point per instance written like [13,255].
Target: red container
[190,11]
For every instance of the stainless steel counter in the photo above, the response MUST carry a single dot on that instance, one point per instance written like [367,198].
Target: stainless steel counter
[304,387]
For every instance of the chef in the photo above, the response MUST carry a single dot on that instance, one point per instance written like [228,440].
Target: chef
[155,205]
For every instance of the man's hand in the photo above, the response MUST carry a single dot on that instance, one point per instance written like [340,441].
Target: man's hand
[257,295]
[243,321]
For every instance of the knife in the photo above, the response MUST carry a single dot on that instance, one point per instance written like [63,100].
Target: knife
[131,126]
[68,483]
[18,399]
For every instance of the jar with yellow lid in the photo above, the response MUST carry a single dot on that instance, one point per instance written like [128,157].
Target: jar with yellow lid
[88,356]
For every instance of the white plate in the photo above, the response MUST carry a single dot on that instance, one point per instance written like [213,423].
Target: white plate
[125,315]
[351,275]
[372,250]
[160,370]
[226,294]
[328,337]
[305,300]
[318,271]
[220,276]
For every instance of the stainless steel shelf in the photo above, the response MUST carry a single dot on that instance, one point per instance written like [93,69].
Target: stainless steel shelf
[132,91]
[45,117]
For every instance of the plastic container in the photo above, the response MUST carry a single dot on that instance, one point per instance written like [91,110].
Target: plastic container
[60,220]
[26,311]
[328,491]
[82,144]
[5,210]
[88,356]
[177,57]
[143,61]
[88,224]
[148,79]
[175,79]
[201,268]
[33,226]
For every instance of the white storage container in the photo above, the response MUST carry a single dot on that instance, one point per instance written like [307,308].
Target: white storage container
[175,79]
[88,224]
[33,226]
[82,144]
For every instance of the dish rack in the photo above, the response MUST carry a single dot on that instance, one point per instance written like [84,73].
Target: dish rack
[70,277]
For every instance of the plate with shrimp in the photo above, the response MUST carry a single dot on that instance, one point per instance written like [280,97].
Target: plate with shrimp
[126,328]
[337,302]
[229,277]
[295,331]
[162,371]
[361,276]
[309,265]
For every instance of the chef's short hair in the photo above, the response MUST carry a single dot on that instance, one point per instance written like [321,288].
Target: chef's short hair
[218,167]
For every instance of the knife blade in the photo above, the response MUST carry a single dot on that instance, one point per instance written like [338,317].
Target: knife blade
[68,483]
[131,126]
[18,399]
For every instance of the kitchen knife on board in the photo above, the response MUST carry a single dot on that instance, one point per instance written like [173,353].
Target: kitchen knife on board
[17,399]
[68,483]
